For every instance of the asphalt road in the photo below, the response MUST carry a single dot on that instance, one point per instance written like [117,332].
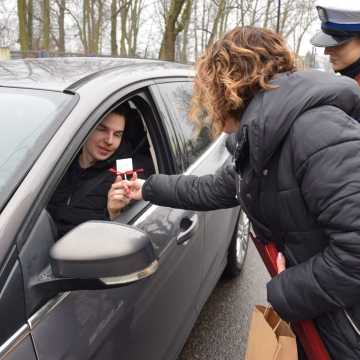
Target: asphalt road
[220,332]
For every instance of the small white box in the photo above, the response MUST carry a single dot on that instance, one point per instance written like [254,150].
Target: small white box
[124,165]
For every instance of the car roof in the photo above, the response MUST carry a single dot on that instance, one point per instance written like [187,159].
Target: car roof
[70,73]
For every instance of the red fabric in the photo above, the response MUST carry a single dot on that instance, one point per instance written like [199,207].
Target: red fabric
[305,329]
[357,78]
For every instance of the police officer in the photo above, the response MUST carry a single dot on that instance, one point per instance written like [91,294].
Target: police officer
[340,35]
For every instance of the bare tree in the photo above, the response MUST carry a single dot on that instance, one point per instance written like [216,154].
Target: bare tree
[30,18]
[8,24]
[185,33]
[124,13]
[220,13]
[267,13]
[136,9]
[129,14]
[113,34]
[90,25]
[185,27]
[306,16]
[23,25]
[61,22]
[46,24]
[174,24]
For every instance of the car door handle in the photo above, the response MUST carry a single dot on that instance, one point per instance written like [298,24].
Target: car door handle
[188,225]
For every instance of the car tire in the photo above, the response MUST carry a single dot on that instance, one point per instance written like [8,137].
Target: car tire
[238,247]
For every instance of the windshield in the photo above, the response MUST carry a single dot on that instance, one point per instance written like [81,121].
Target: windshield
[28,119]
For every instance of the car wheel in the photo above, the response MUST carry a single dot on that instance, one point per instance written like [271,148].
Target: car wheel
[238,246]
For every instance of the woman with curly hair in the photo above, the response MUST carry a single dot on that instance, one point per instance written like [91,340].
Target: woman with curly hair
[296,173]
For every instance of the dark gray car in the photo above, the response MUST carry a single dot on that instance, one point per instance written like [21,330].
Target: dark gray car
[126,289]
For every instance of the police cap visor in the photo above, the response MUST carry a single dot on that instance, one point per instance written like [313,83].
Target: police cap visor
[321,39]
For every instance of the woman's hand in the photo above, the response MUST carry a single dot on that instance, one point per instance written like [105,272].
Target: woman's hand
[134,187]
[280,263]
[117,197]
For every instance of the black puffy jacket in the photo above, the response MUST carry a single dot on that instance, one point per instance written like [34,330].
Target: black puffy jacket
[303,136]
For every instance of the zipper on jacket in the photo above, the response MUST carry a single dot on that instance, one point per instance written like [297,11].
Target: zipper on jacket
[352,323]
[68,201]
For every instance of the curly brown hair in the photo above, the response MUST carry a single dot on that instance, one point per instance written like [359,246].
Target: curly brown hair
[233,70]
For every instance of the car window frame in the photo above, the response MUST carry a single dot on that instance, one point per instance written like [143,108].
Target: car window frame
[136,210]
[181,154]
[18,240]
[8,281]
[79,138]
[186,163]
[64,162]
[75,144]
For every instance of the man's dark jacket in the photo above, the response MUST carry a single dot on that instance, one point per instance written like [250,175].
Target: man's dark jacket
[82,193]
[303,136]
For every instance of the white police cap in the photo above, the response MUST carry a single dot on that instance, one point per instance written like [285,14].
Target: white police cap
[337,15]
[339,22]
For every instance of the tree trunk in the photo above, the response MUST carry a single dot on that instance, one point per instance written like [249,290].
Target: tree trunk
[23,34]
[219,15]
[285,16]
[267,13]
[97,27]
[30,17]
[114,50]
[167,49]
[203,34]
[224,22]
[92,27]
[135,10]
[46,25]
[84,27]
[254,13]
[185,38]
[123,20]
[62,6]
[195,30]
[88,25]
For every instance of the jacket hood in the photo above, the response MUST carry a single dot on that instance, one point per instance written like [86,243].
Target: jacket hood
[270,114]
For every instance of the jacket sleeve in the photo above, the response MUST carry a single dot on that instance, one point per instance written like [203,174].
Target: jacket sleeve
[208,192]
[326,153]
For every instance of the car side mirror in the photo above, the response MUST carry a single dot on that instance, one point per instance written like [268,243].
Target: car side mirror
[99,254]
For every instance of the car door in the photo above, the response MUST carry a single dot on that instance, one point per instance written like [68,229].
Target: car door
[177,236]
[26,129]
[144,320]
[15,339]
[202,160]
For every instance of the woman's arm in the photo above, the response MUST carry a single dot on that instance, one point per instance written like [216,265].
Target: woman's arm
[208,192]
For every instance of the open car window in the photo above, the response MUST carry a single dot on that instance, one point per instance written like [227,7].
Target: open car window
[82,193]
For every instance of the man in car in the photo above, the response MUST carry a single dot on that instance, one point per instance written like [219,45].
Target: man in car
[85,192]
[340,35]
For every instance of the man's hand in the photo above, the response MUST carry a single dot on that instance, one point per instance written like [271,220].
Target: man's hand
[117,197]
[280,263]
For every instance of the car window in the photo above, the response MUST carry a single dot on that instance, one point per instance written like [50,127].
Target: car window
[178,98]
[82,193]
[28,120]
